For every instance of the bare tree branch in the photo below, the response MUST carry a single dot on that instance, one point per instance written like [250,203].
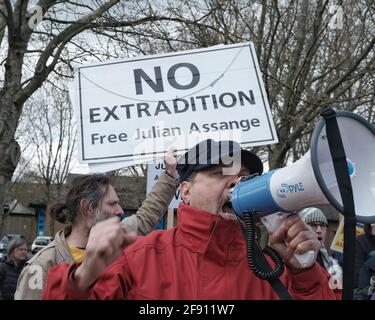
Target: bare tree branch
[356,63]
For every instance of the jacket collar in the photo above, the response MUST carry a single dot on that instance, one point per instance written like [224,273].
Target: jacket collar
[209,234]
[63,254]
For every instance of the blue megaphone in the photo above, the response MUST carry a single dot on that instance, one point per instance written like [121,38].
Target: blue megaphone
[311,180]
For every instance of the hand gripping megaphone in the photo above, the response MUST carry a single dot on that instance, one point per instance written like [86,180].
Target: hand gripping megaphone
[311,180]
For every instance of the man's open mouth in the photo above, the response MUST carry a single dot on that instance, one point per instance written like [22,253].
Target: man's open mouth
[227,211]
[227,206]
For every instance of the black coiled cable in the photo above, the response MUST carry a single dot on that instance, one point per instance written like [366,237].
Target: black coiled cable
[252,258]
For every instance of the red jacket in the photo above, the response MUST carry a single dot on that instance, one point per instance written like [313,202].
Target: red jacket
[202,258]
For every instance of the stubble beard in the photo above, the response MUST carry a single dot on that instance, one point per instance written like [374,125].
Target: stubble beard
[99,216]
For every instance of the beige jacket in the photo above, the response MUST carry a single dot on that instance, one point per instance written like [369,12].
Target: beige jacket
[34,275]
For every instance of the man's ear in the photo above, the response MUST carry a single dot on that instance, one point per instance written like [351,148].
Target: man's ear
[185,191]
[84,208]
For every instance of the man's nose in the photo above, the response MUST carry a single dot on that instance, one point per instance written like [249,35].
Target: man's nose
[118,211]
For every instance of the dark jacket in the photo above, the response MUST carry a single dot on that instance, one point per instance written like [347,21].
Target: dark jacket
[9,273]
[366,280]
[365,244]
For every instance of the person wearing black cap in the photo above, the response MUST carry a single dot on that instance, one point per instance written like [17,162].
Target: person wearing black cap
[214,160]
[203,257]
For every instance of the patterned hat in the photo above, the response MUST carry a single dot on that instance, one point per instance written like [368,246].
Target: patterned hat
[311,215]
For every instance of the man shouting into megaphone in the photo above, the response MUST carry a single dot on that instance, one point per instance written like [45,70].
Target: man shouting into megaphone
[204,256]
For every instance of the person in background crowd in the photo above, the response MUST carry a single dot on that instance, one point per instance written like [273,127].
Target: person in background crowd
[11,269]
[316,219]
[90,200]
[203,257]
[366,280]
[365,245]
[338,256]
[365,264]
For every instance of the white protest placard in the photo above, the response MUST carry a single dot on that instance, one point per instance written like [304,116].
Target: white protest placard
[111,166]
[154,170]
[136,108]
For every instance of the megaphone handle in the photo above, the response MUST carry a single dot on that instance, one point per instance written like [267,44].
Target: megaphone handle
[272,222]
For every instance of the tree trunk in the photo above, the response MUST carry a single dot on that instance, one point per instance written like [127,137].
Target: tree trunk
[276,158]
[9,148]
[2,21]
[2,213]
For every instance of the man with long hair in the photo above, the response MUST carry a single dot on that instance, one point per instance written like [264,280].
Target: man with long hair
[92,199]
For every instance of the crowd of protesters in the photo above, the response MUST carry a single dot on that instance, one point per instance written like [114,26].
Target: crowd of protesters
[98,256]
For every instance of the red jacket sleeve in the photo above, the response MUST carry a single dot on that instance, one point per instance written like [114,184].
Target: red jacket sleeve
[57,286]
[113,283]
[313,284]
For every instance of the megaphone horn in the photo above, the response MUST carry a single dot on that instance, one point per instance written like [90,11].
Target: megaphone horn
[311,180]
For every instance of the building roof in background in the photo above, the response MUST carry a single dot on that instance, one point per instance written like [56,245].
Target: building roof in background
[131,192]
[15,207]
